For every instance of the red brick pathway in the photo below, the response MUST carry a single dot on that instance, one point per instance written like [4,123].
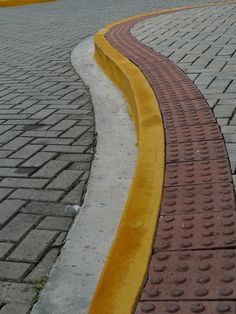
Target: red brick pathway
[193,267]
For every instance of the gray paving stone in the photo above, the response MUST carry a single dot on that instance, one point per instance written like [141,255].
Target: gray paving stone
[43,268]
[13,270]
[33,247]
[5,248]
[51,169]
[75,157]
[23,183]
[75,131]
[76,195]
[8,209]
[38,160]
[55,223]
[15,172]
[18,226]
[65,179]
[16,292]
[27,151]
[4,193]
[59,240]
[15,308]
[37,195]
[66,149]
[10,162]
[50,209]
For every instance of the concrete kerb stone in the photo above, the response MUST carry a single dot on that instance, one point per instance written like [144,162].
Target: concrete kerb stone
[92,233]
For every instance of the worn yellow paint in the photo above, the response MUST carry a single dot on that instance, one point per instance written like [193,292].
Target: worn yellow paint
[13,3]
[125,269]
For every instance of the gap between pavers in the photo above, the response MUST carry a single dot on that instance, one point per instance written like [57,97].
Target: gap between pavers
[75,274]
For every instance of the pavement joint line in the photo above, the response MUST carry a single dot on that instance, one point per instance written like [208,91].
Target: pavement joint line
[115,66]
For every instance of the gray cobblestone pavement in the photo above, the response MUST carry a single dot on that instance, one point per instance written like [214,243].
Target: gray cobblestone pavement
[202,42]
[47,133]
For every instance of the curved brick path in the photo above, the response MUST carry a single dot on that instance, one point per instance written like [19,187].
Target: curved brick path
[46,133]
[192,269]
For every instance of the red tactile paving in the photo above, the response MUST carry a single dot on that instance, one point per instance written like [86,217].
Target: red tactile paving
[193,151]
[193,267]
[188,118]
[196,231]
[192,275]
[183,307]
[193,133]
[198,172]
[185,105]
[198,198]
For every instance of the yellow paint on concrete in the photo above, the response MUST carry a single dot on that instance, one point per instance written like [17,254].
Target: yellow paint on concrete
[124,272]
[125,269]
[13,3]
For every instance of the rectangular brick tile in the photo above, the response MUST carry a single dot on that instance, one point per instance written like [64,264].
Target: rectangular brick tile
[76,195]
[55,223]
[10,162]
[18,226]
[52,141]
[44,266]
[41,133]
[5,248]
[7,136]
[76,157]
[39,159]
[33,246]
[65,149]
[53,209]
[8,209]
[15,172]
[16,308]
[23,183]
[51,169]
[75,131]
[16,292]
[37,195]
[42,114]
[12,270]
[27,151]
[65,180]
[63,125]
[4,193]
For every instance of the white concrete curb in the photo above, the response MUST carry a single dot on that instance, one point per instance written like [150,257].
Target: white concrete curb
[75,274]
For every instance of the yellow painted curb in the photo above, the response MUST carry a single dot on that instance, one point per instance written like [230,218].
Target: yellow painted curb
[125,269]
[13,3]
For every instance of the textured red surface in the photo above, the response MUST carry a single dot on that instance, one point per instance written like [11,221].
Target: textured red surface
[183,307]
[193,267]
[204,198]
[196,231]
[192,275]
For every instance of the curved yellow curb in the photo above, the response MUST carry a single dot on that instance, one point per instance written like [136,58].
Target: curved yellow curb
[13,3]
[125,268]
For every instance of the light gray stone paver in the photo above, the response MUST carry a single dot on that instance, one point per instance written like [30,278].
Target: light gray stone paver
[203,47]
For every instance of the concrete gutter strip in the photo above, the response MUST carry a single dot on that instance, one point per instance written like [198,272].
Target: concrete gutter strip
[74,276]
